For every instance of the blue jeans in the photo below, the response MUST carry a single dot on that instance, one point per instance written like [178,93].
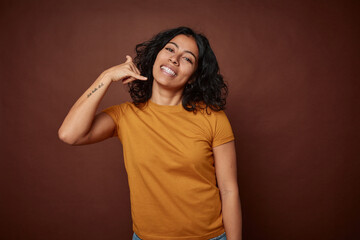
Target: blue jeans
[221,237]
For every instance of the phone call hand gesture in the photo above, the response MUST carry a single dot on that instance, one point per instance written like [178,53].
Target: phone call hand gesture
[125,72]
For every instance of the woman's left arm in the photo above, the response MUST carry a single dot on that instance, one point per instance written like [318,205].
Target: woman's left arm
[226,174]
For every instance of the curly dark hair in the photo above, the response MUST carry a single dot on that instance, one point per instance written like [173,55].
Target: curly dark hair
[208,90]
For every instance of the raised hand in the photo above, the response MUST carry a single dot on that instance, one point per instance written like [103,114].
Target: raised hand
[125,72]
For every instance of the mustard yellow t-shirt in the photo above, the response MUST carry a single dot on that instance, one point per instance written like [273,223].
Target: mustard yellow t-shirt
[170,166]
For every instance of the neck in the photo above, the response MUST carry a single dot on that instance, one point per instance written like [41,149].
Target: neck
[164,96]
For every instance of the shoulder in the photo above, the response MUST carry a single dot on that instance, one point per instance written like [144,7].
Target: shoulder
[120,107]
[211,118]
[119,110]
[217,119]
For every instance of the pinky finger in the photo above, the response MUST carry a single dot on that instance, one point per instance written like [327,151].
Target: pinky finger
[127,80]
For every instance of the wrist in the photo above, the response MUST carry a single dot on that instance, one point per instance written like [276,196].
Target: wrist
[105,77]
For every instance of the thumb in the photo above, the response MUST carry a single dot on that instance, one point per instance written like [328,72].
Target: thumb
[128,59]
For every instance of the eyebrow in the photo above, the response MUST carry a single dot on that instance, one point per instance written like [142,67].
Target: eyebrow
[185,50]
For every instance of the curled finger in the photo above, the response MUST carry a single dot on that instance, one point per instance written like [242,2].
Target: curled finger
[134,68]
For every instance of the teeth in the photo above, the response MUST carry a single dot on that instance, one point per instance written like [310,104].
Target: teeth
[168,70]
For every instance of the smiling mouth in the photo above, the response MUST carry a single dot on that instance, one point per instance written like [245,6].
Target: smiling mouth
[168,70]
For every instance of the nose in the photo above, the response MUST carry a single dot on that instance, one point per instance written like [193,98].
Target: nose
[174,60]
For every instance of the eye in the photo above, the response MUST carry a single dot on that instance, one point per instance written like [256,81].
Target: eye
[169,49]
[188,59]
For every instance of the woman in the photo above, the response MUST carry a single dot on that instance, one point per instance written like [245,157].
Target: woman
[178,144]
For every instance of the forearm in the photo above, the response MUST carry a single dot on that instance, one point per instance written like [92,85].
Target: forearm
[231,211]
[80,117]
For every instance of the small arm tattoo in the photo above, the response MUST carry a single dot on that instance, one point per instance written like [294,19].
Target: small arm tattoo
[95,89]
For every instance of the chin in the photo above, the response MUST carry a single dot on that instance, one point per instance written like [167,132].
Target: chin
[162,80]
[164,83]
[167,84]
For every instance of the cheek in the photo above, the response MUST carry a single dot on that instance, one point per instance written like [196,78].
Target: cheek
[190,71]
[161,55]
[158,56]
[158,60]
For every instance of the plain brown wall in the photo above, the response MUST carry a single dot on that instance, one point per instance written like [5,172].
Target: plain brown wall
[293,73]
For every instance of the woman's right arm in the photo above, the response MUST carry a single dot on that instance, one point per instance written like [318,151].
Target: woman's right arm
[81,125]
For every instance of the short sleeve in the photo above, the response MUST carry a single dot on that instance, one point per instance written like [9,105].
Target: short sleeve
[115,112]
[222,131]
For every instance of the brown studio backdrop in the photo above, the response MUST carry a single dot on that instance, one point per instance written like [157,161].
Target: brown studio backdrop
[292,70]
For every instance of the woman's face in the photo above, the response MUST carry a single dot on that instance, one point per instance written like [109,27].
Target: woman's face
[176,62]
